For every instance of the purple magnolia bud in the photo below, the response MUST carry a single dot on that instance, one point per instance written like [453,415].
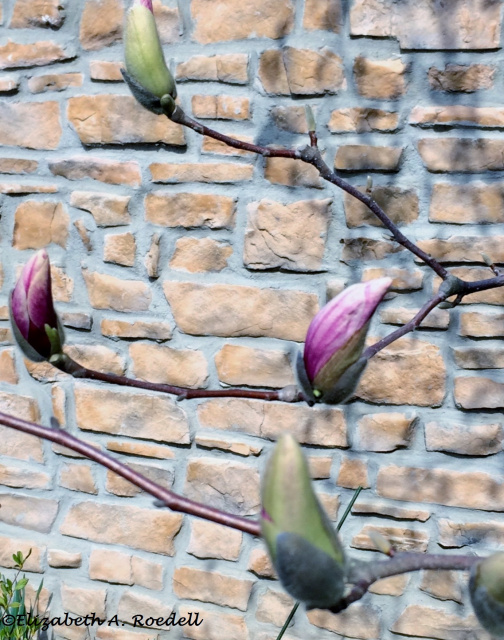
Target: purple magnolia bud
[33,317]
[336,336]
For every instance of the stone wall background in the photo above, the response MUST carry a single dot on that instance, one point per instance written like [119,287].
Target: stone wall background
[181,261]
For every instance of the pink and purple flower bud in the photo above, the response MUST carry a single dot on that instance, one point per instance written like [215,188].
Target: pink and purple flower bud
[303,546]
[335,341]
[34,320]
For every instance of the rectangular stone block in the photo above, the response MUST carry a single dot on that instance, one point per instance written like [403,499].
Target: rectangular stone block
[211,586]
[462,154]
[190,210]
[473,203]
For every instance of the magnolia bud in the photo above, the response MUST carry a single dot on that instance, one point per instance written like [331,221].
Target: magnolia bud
[486,589]
[147,74]
[34,321]
[304,548]
[335,341]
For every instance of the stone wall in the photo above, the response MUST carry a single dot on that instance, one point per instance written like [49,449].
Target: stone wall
[179,260]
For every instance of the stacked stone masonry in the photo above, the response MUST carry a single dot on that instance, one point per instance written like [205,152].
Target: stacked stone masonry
[179,260]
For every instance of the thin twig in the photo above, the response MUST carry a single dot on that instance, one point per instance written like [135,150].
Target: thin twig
[169,498]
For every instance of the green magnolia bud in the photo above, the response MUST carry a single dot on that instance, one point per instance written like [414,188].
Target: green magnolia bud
[145,62]
[486,588]
[304,548]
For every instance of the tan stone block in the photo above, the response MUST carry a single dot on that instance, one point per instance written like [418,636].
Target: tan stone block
[37,514]
[229,20]
[84,234]
[180,367]
[109,171]
[361,157]
[55,82]
[6,336]
[62,285]
[168,23]
[469,490]
[457,114]
[313,72]
[141,449]
[291,119]
[272,73]
[120,249]
[148,529]
[323,427]
[58,398]
[200,255]
[211,586]
[368,249]
[8,84]
[291,172]
[371,18]
[260,564]
[17,189]
[442,585]
[471,274]
[101,23]
[210,145]
[210,540]
[28,14]
[109,633]
[108,292]
[353,474]
[14,55]
[159,331]
[8,371]
[461,534]
[110,566]
[425,621]
[400,538]
[131,123]
[465,248]
[325,15]
[23,478]
[215,625]
[138,415]
[190,210]
[221,107]
[393,586]
[481,325]
[400,205]
[385,431]
[22,407]
[33,125]
[97,357]
[17,165]
[238,365]
[380,79]
[287,236]
[274,607]
[82,601]
[362,120]
[458,77]
[229,67]
[478,358]
[478,393]
[472,203]
[147,574]
[229,310]
[225,444]
[227,172]
[107,210]
[387,378]
[78,477]
[60,559]
[105,71]
[359,621]
[152,257]
[462,154]
[15,444]
[381,508]
[402,279]
[231,486]
[120,487]
[9,546]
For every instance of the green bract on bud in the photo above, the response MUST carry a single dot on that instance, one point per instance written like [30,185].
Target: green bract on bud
[486,588]
[147,73]
[304,548]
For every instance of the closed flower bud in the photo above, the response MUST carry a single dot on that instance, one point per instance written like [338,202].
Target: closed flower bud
[34,321]
[301,541]
[486,589]
[147,74]
[335,341]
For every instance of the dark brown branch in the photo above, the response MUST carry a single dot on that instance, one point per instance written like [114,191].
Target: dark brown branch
[169,498]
